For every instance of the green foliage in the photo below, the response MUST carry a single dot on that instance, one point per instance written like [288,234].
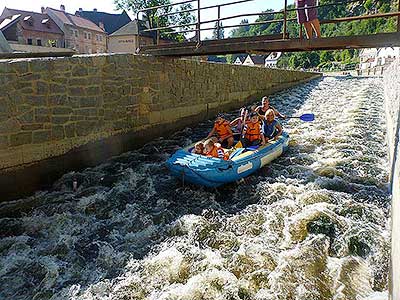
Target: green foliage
[326,56]
[368,5]
[217,35]
[155,18]
[136,5]
[242,30]
[303,60]
[323,58]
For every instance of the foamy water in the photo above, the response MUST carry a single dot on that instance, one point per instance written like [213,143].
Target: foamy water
[312,225]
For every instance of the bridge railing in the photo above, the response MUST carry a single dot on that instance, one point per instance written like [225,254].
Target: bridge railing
[286,16]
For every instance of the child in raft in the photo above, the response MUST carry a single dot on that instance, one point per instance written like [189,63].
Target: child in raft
[252,132]
[223,131]
[271,128]
[239,122]
[198,148]
[212,149]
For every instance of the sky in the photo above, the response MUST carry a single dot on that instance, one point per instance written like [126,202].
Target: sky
[108,6]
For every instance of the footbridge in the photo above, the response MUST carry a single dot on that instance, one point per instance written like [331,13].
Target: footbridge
[282,42]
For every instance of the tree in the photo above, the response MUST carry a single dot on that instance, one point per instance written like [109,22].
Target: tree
[242,30]
[136,5]
[156,18]
[326,56]
[346,55]
[218,34]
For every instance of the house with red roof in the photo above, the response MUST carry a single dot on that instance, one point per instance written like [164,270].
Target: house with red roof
[80,34]
[30,28]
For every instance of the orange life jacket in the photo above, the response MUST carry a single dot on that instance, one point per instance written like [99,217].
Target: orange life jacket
[222,129]
[217,152]
[253,131]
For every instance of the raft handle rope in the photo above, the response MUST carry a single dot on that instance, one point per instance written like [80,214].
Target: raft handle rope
[197,173]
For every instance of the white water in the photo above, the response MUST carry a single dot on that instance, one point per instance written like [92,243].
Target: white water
[313,225]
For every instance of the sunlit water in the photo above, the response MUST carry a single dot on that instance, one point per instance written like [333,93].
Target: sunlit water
[312,225]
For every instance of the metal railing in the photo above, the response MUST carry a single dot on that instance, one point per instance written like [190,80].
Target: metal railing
[284,20]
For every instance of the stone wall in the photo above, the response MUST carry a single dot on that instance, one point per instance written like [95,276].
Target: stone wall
[392,103]
[108,104]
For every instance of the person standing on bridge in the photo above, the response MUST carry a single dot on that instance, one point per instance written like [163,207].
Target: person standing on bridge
[307,15]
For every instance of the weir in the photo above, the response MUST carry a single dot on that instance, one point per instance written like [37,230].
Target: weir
[64,114]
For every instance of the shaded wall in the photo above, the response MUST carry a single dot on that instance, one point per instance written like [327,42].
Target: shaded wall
[62,114]
[392,103]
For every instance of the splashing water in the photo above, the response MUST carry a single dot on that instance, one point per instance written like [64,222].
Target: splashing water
[312,225]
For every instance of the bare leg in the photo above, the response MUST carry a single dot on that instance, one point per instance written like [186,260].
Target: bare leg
[309,30]
[317,27]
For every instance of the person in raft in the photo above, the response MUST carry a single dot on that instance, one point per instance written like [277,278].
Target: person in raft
[198,148]
[212,149]
[262,109]
[223,131]
[271,128]
[239,122]
[252,132]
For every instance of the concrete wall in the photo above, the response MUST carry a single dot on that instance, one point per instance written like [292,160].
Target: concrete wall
[61,114]
[392,103]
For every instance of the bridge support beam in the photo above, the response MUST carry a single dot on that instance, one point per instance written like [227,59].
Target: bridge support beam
[263,44]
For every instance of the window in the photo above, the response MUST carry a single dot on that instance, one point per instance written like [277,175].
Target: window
[29,41]
[100,38]
[39,42]
[89,36]
[76,33]
[85,34]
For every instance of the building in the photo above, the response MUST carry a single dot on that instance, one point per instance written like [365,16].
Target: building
[111,22]
[217,59]
[80,34]
[272,60]
[378,57]
[254,60]
[126,39]
[367,57]
[30,28]
[238,59]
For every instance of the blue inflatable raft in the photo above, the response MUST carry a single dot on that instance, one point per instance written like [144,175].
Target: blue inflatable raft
[214,172]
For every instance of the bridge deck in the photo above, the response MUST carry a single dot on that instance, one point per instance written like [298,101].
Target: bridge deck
[262,44]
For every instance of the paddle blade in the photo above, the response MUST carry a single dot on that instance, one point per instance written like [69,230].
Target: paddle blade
[307,117]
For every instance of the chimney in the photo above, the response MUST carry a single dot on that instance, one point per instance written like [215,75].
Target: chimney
[95,9]
[62,7]
[43,9]
[101,25]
